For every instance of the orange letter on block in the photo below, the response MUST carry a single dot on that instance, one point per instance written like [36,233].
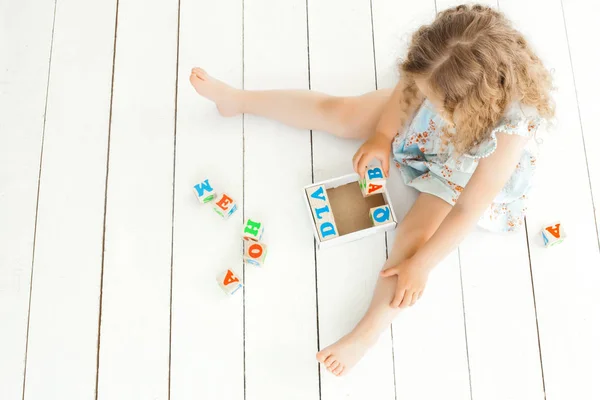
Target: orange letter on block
[230,278]
[255,251]
[554,230]
[224,202]
[373,187]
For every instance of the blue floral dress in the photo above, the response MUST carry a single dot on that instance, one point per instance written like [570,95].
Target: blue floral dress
[425,158]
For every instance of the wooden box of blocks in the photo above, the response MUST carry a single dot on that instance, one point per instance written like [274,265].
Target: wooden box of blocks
[553,234]
[340,213]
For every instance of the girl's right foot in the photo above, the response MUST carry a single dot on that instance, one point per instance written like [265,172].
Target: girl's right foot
[226,98]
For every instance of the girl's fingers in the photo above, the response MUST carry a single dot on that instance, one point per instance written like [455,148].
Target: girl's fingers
[388,272]
[420,294]
[362,165]
[407,299]
[415,297]
[385,164]
[398,298]
[356,158]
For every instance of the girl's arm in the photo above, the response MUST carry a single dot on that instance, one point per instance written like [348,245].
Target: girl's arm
[489,178]
[396,113]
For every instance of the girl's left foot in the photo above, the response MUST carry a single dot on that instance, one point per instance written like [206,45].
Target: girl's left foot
[226,98]
[341,356]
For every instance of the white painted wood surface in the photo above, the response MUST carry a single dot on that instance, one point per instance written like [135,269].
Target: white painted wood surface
[341,63]
[566,277]
[261,343]
[134,345]
[501,325]
[25,41]
[63,332]
[281,317]
[580,16]
[436,324]
[207,341]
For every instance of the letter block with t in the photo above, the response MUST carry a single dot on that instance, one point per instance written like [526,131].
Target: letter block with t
[553,234]
[380,215]
[224,206]
[322,212]
[229,282]
[373,182]
[253,230]
[204,192]
[255,252]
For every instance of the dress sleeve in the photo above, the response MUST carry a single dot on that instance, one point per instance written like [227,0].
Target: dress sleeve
[518,120]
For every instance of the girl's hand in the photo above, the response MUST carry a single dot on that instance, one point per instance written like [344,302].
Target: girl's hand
[412,277]
[378,146]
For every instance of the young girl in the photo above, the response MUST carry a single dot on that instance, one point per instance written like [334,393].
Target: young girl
[470,98]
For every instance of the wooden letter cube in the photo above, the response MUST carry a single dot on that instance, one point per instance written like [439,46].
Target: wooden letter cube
[229,282]
[224,206]
[254,252]
[380,215]
[373,182]
[553,234]
[322,212]
[253,230]
[204,192]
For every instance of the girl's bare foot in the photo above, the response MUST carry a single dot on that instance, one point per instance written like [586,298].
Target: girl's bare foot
[341,356]
[226,98]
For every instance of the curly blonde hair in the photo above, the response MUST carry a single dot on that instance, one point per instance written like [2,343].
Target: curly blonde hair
[478,64]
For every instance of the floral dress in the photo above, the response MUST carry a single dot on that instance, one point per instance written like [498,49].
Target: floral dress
[425,158]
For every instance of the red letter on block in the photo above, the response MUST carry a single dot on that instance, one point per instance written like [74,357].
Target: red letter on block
[373,187]
[230,278]
[224,202]
[554,230]
[255,251]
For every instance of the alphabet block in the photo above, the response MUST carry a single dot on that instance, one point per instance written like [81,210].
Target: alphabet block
[373,182]
[224,206]
[229,282]
[253,230]
[553,234]
[204,192]
[322,212]
[255,252]
[381,215]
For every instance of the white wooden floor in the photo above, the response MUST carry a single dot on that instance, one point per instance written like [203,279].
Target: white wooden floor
[108,262]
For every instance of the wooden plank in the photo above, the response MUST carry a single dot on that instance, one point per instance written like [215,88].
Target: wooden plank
[500,328]
[277,166]
[566,277]
[25,45]
[578,18]
[341,63]
[134,342]
[63,333]
[207,359]
[422,354]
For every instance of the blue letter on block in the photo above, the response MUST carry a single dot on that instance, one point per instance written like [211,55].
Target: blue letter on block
[201,188]
[319,211]
[375,173]
[327,228]
[382,214]
[319,194]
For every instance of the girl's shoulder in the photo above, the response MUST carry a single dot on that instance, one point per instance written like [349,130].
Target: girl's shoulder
[519,119]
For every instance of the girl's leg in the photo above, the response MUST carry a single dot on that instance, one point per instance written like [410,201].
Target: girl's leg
[418,226]
[347,117]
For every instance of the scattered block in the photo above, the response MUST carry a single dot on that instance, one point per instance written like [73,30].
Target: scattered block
[373,182]
[229,282]
[224,206]
[553,234]
[255,252]
[322,212]
[381,215]
[204,192]
[253,230]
